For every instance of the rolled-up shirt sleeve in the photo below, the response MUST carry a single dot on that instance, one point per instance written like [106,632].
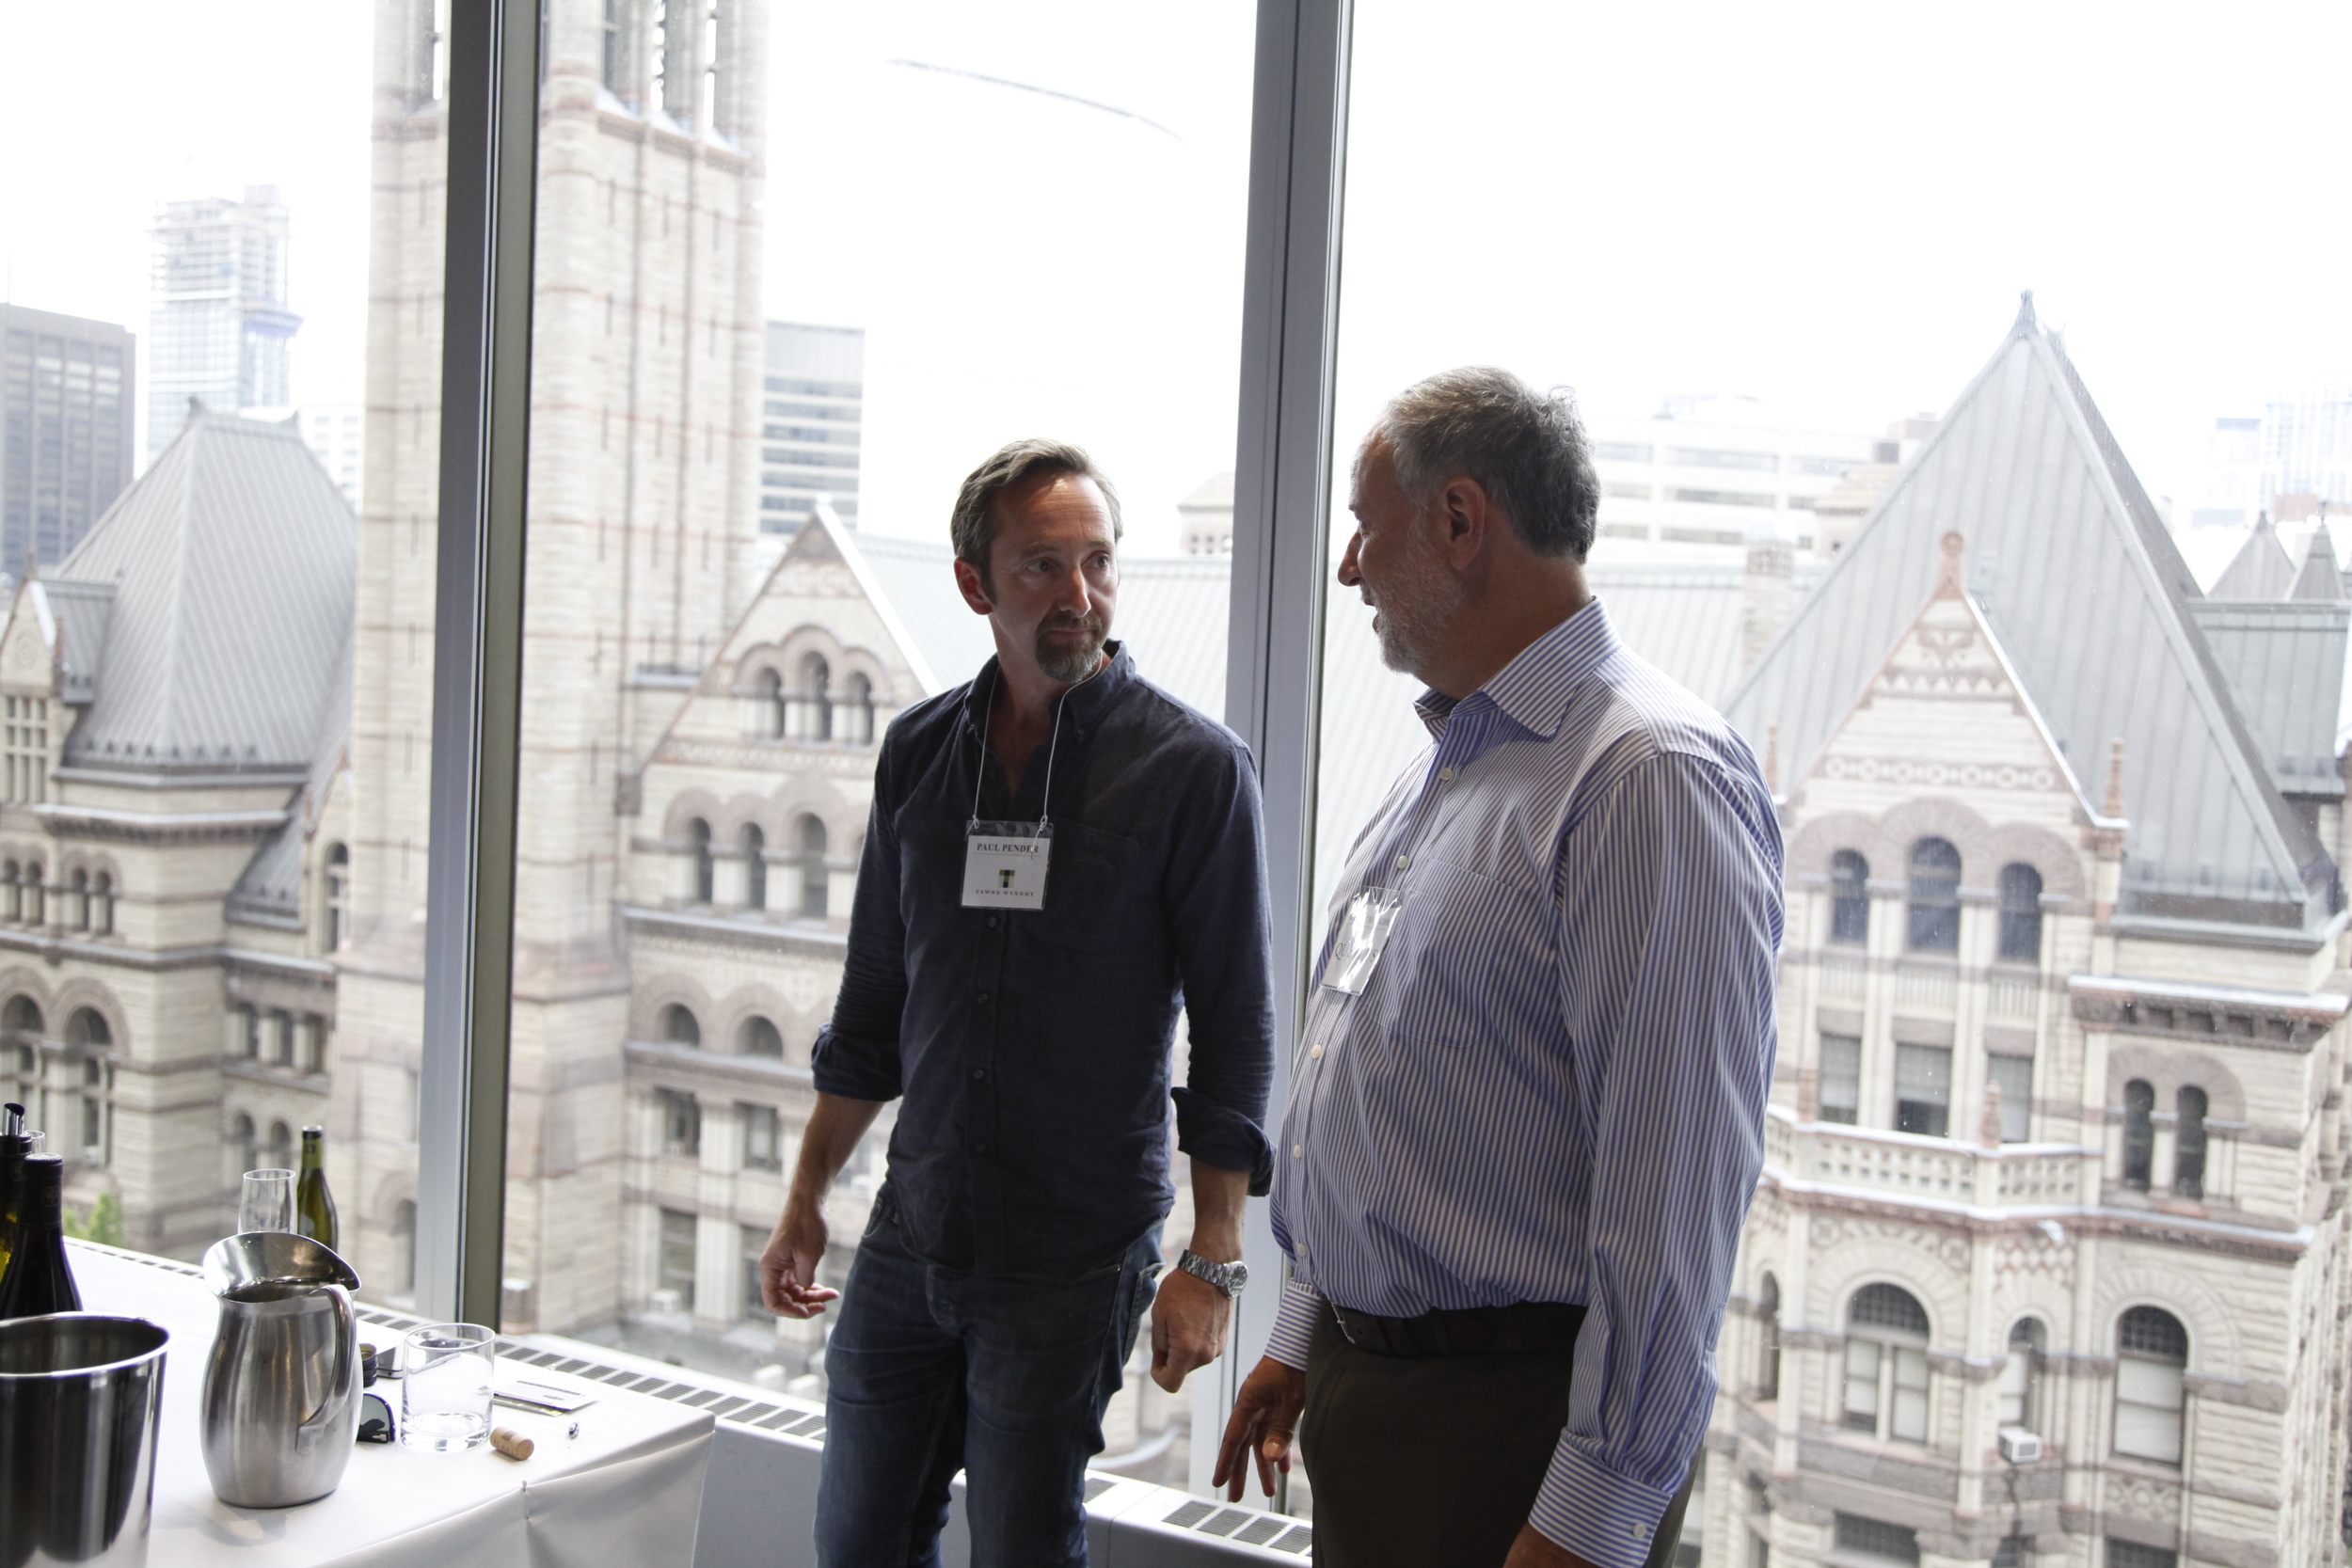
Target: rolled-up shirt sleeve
[1218,916]
[856,1055]
[1671,915]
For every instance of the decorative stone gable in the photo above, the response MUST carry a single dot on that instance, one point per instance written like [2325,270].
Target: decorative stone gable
[28,661]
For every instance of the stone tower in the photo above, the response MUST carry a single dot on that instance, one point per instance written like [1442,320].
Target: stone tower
[647,345]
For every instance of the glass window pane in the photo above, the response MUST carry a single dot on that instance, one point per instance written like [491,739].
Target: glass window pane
[1841,1078]
[1908,1420]
[2014,1077]
[1862,1384]
[1923,1089]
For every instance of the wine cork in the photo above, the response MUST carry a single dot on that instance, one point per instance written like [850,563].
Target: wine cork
[513,1444]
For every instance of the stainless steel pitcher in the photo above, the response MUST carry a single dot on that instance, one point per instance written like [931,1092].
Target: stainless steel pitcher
[281,1391]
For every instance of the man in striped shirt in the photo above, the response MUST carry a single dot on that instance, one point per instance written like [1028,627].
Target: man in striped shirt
[1527,1106]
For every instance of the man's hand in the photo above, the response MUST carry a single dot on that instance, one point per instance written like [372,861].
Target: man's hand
[1534,1549]
[787,1270]
[1189,1318]
[1264,1422]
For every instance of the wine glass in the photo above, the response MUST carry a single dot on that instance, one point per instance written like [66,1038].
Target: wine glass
[268,1203]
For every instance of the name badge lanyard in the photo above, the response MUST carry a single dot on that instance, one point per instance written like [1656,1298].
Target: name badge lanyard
[1371,919]
[1005,862]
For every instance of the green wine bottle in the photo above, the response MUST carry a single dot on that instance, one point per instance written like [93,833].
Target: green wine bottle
[315,1206]
[14,1146]
[39,1280]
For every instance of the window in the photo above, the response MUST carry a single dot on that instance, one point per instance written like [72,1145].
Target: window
[816,702]
[11,879]
[101,921]
[675,1266]
[282,1146]
[281,1038]
[1767,1350]
[754,867]
[1702,457]
[87,1027]
[1923,1091]
[241,1150]
[753,1243]
[36,896]
[2188,1163]
[679,1026]
[2151,1357]
[706,873]
[681,1123]
[26,746]
[814,877]
[2014,1077]
[337,879]
[2010,1551]
[77,900]
[1723,498]
[2131,1554]
[770,705]
[248,1022]
[2021,914]
[1877,1538]
[93,1113]
[21,1019]
[1886,1364]
[1850,898]
[1841,1078]
[763,1141]
[759,1037]
[1934,897]
[857,712]
[2139,1134]
[312,1035]
[2019,1372]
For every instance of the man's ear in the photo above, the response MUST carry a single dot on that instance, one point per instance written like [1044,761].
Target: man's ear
[1465,515]
[974,593]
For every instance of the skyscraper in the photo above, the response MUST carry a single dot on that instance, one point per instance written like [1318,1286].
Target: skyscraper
[219,330]
[65,390]
[815,394]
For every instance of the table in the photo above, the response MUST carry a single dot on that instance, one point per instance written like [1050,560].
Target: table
[627,1490]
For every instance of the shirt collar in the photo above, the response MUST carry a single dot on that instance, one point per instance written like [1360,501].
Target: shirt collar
[1534,689]
[1082,707]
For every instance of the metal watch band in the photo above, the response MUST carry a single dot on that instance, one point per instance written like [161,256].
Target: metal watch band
[1228,1277]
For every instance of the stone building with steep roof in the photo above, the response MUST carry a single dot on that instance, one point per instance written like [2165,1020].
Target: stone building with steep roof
[2046,1266]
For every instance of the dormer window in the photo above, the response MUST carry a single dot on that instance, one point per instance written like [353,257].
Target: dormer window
[25,743]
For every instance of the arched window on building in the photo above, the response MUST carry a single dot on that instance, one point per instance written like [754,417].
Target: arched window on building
[12,888]
[706,871]
[754,867]
[2139,1134]
[88,1027]
[403,1247]
[678,1025]
[94,1087]
[77,902]
[282,1146]
[101,919]
[2152,1357]
[816,699]
[857,711]
[760,1036]
[21,1019]
[771,717]
[2021,913]
[1934,897]
[36,896]
[1886,1364]
[240,1152]
[1849,897]
[2020,1373]
[2188,1161]
[1767,1349]
[813,877]
[338,897]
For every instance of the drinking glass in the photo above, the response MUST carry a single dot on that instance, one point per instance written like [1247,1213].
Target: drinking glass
[268,1201]
[445,1385]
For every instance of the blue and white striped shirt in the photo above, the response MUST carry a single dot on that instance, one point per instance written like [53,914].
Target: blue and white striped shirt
[1552,1086]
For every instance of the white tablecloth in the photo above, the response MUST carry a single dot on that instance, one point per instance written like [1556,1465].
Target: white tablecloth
[627,1490]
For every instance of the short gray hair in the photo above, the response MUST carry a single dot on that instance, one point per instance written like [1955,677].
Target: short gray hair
[1527,449]
[973,526]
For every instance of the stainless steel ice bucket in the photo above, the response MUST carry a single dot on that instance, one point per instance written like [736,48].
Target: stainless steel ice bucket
[80,1397]
[281,1391]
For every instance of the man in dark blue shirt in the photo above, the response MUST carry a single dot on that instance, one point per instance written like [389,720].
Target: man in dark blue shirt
[1060,856]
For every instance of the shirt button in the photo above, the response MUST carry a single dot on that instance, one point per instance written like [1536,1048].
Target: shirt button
[978,1072]
[1401,862]
[983,999]
[980,1149]
[1298,1151]
[1316,1053]
[992,923]
[1445,775]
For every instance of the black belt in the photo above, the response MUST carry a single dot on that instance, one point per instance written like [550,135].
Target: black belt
[1522,1328]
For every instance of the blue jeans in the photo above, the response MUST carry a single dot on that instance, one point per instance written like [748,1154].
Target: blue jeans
[931,1370]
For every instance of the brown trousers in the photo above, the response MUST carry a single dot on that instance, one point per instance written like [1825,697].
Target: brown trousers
[1433,1462]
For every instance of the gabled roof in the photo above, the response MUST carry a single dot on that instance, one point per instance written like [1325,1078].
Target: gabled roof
[2262,569]
[269,891]
[230,565]
[2070,562]
[2284,665]
[2319,580]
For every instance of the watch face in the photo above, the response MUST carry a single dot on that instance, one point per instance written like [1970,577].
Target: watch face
[1237,1276]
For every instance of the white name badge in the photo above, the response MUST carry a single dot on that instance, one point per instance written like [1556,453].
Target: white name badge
[1363,933]
[1004,865]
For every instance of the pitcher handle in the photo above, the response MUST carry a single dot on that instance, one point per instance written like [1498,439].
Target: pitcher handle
[306,1435]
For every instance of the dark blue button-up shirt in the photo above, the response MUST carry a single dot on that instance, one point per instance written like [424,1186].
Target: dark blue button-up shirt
[1033,1047]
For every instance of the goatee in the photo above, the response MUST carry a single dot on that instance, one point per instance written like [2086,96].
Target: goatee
[1067,661]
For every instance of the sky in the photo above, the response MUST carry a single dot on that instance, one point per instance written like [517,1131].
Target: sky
[1830,207]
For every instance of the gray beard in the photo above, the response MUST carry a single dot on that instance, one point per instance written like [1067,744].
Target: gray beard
[1411,621]
[1068,663]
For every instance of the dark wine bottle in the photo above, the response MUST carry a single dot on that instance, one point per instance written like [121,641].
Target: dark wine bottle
[14,1146]
[315,1206]
[39,1280]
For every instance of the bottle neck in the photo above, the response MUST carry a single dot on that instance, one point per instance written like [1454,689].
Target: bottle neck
[41,1206]
[314,1157]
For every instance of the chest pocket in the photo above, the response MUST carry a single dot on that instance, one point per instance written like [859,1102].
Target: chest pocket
[1097,891]
[1466,942]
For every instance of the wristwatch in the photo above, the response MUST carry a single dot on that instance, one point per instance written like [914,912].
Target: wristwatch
[1228,1277]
